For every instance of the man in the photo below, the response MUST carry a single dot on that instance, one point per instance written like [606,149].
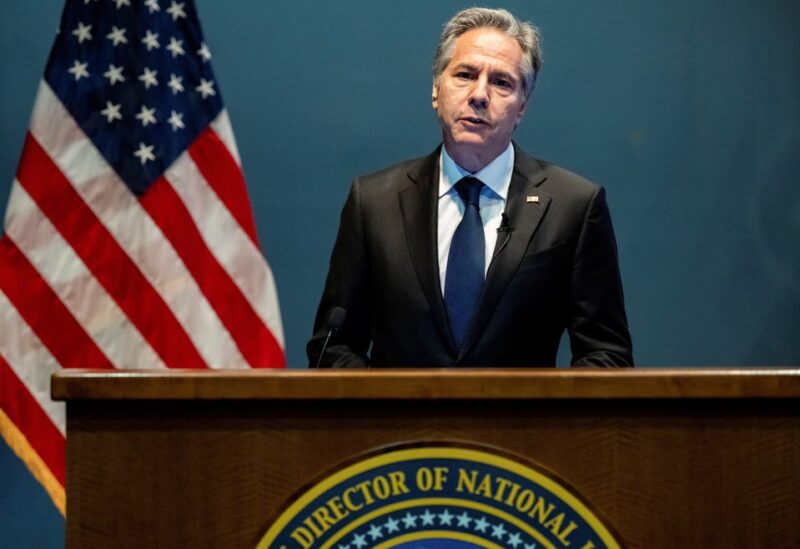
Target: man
[477,255]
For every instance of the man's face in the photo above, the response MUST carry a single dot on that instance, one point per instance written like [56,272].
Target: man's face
[479,97]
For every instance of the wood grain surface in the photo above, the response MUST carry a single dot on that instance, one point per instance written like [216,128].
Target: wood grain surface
[663,472]
[456,383]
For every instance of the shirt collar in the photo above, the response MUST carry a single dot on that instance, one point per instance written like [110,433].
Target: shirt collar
[496,174]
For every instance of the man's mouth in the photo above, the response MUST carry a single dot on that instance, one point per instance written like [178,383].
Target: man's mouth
[474,120]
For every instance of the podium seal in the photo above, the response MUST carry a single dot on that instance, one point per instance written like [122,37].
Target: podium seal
[439,496]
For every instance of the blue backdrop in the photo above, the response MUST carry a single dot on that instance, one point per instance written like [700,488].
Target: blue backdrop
[688,112]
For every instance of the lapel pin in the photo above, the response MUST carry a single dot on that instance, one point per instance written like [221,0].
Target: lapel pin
[532,200]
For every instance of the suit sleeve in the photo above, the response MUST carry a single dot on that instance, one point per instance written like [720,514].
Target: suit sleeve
[598,326]
[347,286]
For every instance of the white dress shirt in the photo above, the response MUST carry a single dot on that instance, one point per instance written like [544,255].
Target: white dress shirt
[496,177]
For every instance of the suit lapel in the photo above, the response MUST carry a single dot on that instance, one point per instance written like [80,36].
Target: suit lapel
[524,217]
[419,205]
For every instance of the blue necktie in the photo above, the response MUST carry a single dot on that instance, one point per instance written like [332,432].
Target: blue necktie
[465,263]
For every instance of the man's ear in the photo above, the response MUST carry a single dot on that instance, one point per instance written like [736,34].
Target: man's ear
[435,95]
[521,112]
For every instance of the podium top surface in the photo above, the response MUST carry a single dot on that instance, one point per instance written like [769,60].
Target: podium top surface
[427,384]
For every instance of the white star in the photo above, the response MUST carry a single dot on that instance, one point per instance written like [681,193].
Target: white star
[204,52]
[78,70]
[148,77]
[111,112]
[146,116]
[117,36]
[152,5]
[375,532]
[514,540]
[498,531]
[175,83]
[445,518]
[144,153]
[463,520]
[121,3]
[409,521]
[114,74]
[175,9]
[359,541]
[427,518]
[176,47]
[176,121]
[87,1]
[481,524]
[531,546]
[151,40]
[83,32]
[206,88]
[392,525]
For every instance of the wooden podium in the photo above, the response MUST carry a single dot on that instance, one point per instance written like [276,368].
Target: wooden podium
[668,457]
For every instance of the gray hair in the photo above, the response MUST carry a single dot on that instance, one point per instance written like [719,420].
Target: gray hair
[526,35]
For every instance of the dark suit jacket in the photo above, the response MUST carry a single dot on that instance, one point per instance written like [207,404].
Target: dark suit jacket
[558,270]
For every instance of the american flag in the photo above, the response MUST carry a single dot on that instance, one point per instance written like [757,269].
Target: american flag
[129,239]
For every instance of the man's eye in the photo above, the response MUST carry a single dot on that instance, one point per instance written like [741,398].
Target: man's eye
[464,74]
[502,83]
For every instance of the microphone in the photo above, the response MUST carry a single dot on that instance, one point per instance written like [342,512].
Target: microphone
[504,226]
[335,321]
[506,230]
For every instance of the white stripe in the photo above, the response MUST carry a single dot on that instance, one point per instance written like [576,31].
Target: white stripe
[267,302]
[71,280]
[122,214]
[226,239]
[30,360]
[222,127]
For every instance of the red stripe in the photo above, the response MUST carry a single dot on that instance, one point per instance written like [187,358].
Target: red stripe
[255,341]
[223,175]
[109,263]
[20,406]
[45,313]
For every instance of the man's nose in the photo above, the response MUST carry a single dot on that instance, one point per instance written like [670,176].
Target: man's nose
[479,94]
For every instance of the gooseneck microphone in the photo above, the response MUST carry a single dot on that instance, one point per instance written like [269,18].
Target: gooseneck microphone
[335,321]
